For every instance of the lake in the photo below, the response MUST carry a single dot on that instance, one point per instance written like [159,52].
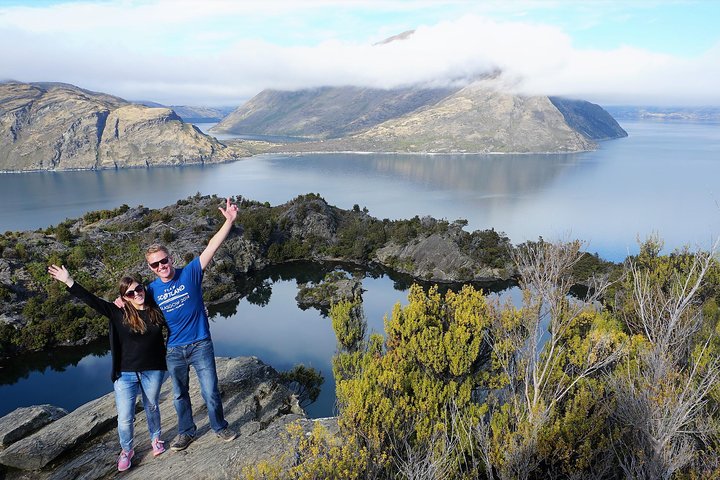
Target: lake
[661,179]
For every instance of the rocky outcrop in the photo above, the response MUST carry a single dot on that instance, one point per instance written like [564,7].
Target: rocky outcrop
[436,257]
[313,218]
[83,443]
[26,420]
[49,126]
[44,446]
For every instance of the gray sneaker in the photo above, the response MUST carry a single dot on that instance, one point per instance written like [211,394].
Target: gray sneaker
[226,434]
[181,442]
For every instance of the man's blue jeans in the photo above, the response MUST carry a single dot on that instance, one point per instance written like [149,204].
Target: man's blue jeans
[126,390]
[201,355]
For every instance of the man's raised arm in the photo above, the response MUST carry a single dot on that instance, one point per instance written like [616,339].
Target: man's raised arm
[230,213]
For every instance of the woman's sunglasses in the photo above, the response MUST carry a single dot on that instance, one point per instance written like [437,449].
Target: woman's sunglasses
[131,293]
[157,264]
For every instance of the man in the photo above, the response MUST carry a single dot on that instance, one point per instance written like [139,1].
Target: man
[178,293]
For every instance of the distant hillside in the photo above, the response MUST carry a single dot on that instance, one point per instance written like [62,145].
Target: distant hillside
[193,114]
[201,114]
[589,119]
[327,112]
[478,118]
[54,126]
[694,114]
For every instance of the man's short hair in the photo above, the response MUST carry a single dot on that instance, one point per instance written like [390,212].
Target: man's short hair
[156,247]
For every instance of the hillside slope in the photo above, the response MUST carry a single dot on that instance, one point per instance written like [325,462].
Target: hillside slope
[479,118]
[53,126]
[327,112]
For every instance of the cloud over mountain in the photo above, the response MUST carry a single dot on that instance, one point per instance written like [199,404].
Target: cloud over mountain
[226,52]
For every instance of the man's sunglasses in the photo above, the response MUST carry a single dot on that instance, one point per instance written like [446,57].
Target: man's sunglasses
[130,293]
[157,264]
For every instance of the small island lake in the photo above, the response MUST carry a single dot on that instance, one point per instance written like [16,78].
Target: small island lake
[662,179]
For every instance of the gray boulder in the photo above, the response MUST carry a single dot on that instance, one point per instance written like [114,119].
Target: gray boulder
[23,421]
[45,445]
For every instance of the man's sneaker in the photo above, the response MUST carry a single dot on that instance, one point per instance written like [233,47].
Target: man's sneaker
[227,435]
[181,442]
[158,447]
[124,461]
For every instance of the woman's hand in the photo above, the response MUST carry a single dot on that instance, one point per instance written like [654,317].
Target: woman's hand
[61,274]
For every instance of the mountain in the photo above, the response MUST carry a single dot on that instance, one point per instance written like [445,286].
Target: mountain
[55,126]
[326,112]
[479,118]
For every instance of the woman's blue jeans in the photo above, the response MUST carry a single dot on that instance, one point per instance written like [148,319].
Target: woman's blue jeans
[201,355]
[126,390]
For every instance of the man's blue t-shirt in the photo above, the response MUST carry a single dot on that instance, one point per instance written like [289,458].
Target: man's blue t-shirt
[181,301]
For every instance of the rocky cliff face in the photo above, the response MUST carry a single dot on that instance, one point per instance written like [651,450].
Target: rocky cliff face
[46,126]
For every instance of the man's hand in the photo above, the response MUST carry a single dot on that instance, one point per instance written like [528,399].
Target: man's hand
[119,302]
[230,211]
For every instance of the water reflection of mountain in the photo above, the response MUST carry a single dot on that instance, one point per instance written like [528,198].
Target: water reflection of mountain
[492,175]
[503,176]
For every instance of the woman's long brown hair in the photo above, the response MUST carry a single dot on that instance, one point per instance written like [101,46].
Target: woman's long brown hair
[132,318]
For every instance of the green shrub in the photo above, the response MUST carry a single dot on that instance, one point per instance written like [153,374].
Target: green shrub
[92,217]
[21,250]
[167,236]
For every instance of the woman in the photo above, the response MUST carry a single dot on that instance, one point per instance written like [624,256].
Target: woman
[138,356]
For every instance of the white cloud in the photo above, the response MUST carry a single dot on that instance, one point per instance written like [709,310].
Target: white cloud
[209,53]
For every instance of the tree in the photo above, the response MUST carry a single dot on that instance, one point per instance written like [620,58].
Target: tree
[663,395]
[543,354]
[397,395]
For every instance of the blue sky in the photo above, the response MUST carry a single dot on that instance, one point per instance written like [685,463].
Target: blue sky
[222,52]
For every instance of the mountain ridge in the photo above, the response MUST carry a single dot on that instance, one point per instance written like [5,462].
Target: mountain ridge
[482,117]
[324,112]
